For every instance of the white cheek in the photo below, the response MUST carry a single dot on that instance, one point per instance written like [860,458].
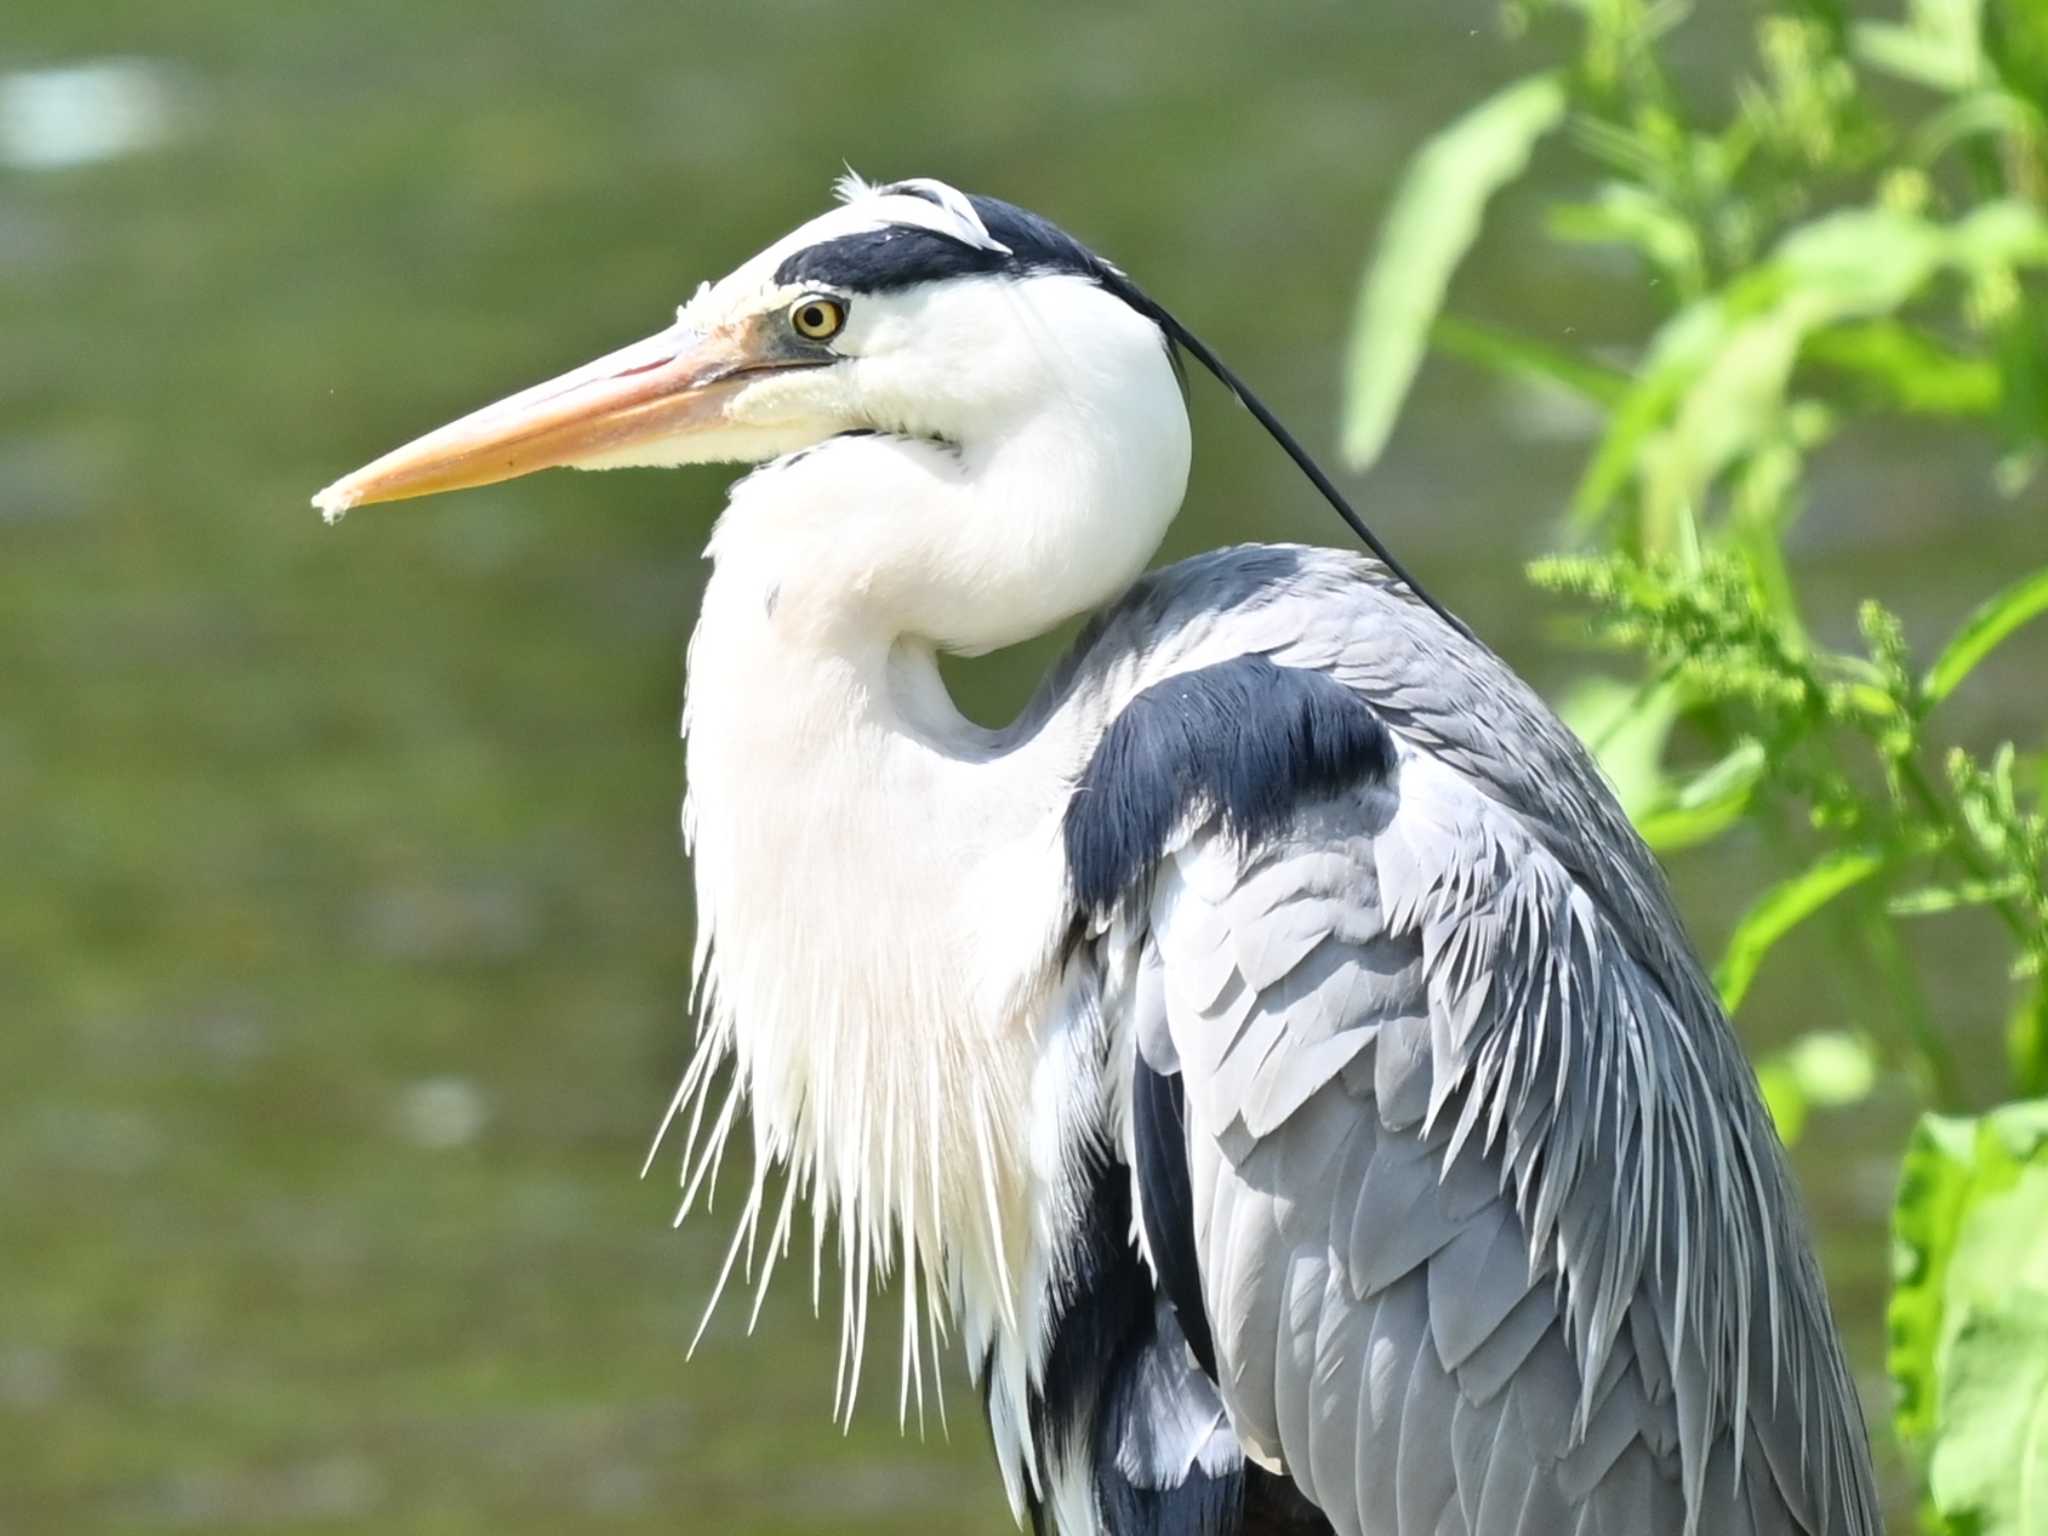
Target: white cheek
[814,398]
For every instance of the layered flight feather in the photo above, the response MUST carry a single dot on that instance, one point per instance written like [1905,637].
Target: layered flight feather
[1493,1234]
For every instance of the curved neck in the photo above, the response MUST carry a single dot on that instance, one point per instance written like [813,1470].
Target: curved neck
[880,885]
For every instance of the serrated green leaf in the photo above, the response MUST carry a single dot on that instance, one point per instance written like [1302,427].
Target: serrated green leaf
[1933,1191]
[1989,1472]
[1713,382]
[1969,1225]
[1673,829]
[1435,216]
[1993,620]
[1968,1323]
[1781,909]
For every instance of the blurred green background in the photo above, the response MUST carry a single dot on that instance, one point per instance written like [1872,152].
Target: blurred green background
[343,925]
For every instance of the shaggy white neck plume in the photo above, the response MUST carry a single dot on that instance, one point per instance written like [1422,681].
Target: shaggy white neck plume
[880,882]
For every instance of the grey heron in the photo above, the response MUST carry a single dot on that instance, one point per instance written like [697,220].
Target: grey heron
[1274,1055]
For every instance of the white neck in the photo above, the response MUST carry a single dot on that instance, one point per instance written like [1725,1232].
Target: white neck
[880,883]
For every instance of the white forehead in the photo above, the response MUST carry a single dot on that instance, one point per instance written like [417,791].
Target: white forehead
[920,202]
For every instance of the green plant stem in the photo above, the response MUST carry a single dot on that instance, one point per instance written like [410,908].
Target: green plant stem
[1936,1060]
[1956,842]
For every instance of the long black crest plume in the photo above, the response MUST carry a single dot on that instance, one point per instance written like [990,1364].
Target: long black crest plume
[1303,459]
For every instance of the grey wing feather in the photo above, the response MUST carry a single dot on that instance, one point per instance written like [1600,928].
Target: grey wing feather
[1178,1419]
[1495,1239]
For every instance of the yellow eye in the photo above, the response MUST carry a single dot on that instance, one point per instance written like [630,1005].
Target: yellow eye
[817,318]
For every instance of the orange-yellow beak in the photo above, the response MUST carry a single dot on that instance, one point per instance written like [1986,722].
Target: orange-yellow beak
[665,387]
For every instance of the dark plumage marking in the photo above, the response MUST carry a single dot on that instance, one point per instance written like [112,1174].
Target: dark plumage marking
[894,256]
[1036,243]
[901,255]
[1094,1380]
[1248,739]
[1202,1503]
[1107,1300]
[1166,1202]
[1201,587]
[1104,1366]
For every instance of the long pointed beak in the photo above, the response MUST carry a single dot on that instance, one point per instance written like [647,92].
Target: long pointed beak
[665,386]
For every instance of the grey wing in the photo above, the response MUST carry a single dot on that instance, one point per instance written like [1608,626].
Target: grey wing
[1492,1238]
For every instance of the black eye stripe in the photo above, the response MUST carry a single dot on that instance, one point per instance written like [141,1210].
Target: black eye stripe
[878,260]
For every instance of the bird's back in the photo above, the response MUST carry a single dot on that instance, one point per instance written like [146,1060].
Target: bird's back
[1446,1158]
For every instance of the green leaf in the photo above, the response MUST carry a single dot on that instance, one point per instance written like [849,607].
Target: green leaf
[1520,357]
[1637,218]
[1969,1227]
[1679,352]
[1930,900]
[2006,233]
[1713,386]
[1866,261]
[1987,113]
[1934,1189]
[1626,726]
[1736,401]
[1940,47]
[1992,621]
[1900,368]
[1709,803]
[1968,1322]
[2026,1040]
[1828,1069]
[2016,39]
[1435,217]
[1728,400]
[1989,1471]
[1781,909]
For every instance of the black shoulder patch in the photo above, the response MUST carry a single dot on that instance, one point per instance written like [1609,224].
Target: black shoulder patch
[1250,739]
[1200,587]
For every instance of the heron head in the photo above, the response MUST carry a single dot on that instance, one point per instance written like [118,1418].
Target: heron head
[910,308]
